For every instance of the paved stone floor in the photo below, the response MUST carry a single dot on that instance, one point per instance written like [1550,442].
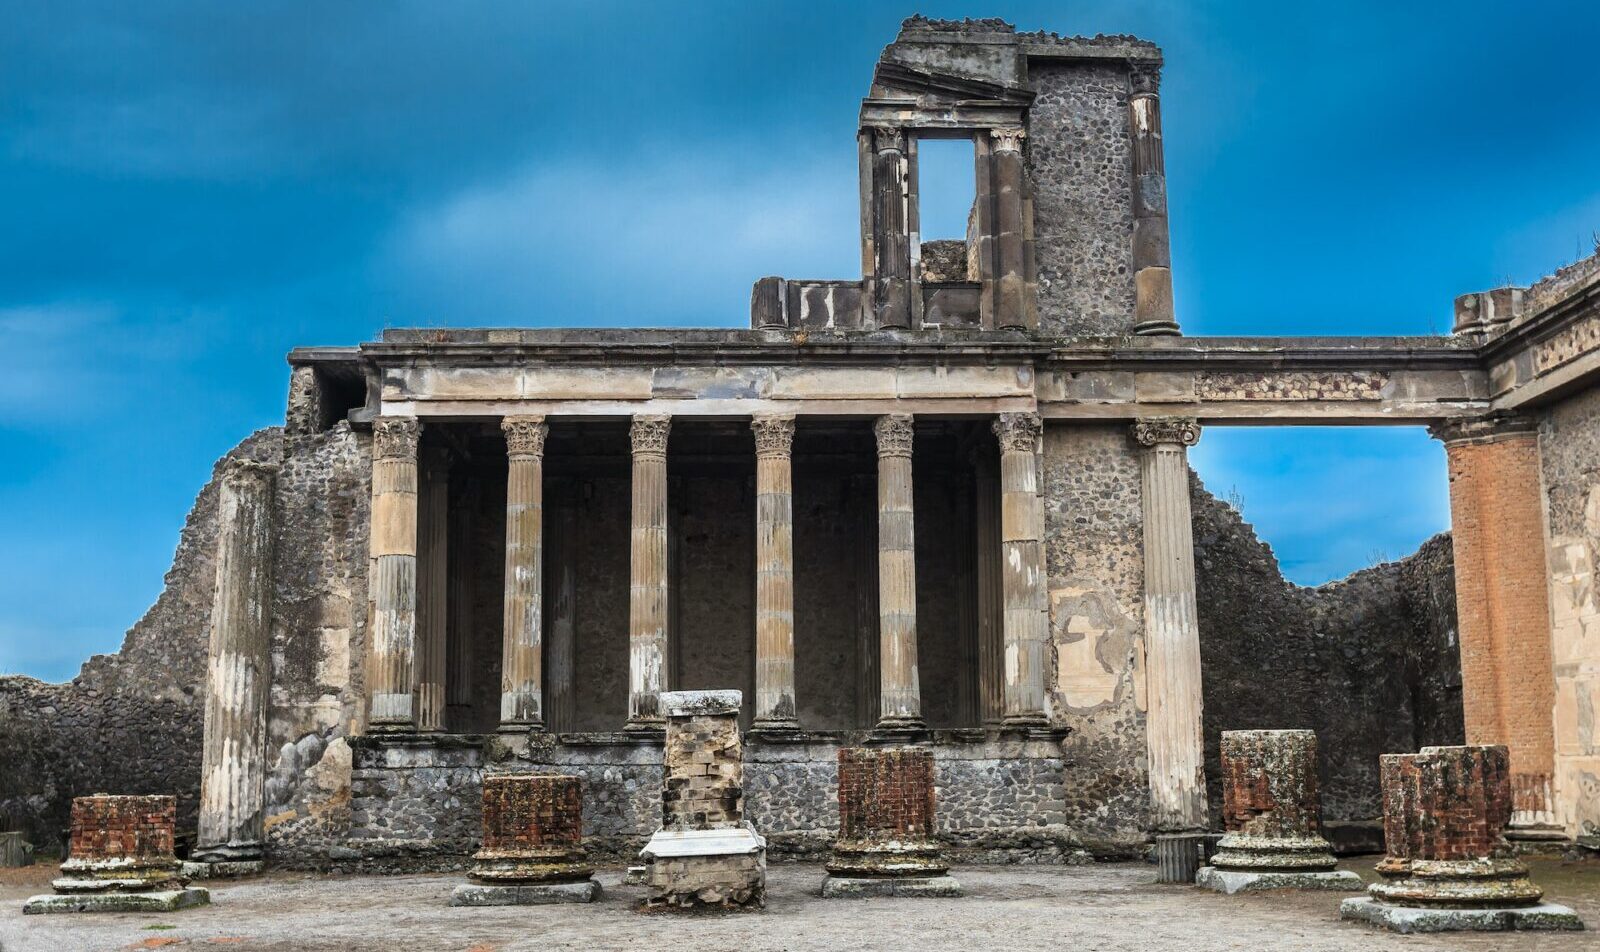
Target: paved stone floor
[1105,908]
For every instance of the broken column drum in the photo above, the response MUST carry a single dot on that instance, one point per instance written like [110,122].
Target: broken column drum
[887,812]
[705,853]
[1447,863]
[239,674]
[1272,812]
[532,844]
[120,859]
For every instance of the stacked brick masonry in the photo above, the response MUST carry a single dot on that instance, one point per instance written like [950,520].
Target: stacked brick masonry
[1569,445]
[885,795]
[139,829]
[521,812]
[704,784]
[1450,803]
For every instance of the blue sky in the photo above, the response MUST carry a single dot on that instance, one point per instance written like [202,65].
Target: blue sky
[191,189]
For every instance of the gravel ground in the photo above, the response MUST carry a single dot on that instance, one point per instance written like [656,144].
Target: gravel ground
[1104,908]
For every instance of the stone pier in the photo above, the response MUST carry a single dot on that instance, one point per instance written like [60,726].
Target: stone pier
[900,693]
[522,655]
[1448,866]
[1173,744]
[233,769]
[120,859]
[1272,812]
[391,680]
[648,584]
[887,810]
[775,701]
[1023,580]
[532,844]
[706,853]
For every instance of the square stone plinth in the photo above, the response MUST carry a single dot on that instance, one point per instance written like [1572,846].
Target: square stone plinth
[866,887]
[165,900]
[226,869]
[1408,919]
[1232,881]
[524,894]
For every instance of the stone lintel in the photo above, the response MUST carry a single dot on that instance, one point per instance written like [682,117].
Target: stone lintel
[700,703]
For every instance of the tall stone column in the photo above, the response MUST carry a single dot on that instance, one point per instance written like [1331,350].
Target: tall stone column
[521,657]
[1172,633]
[1011,279]
[1503,609]
[460,657]
[233,769]
[900,694]
[1152,256]
[647,589]
[891,234]
[433,583]
[775,702]
[391,701]
[1022,574]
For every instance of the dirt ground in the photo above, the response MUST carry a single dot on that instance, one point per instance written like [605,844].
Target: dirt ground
[1104,908]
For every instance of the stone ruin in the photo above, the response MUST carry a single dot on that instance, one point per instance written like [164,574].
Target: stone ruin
[121,860]
[1448,865]
[1272,815]
[887,810]
[532,849]
[706,853]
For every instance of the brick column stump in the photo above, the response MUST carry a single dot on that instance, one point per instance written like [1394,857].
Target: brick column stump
[120,859]
[886,844]
[705,854]
[1272,814]
[532,850]
[1448,866]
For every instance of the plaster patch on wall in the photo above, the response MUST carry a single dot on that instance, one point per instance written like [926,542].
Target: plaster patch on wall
[1575,644]
[1098,650]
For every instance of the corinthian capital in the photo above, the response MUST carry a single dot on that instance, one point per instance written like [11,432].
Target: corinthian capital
[395,437]
[1157,430]
[774,435]
[1009,139]
[649,435]
[894,432]
[1018,432]
[888,139]
[524,435]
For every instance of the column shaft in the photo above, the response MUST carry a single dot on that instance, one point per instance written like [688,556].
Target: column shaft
[390,677]
[1011,280]
[1152,257]
[432,590]
[521,658]
[647,590]
[775,701]
[891,237]
[561,701]
[233,758]
[1172,633]
[1022,574]
[460,653]
[900,694]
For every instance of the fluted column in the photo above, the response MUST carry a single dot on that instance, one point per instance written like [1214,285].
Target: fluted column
[775,703]
[891,235]
[647,589]
[1152,257]
[1172,633]
[1022,572]
[233,769]
[433,503]
[900,694]
[390,700]
[1011,278]
[460,656]
[521,657]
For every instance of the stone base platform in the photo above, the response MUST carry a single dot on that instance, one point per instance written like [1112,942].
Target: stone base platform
[1232,881]
[865,887]
[227,869]
[165,900]
[1546,917]
[524,894]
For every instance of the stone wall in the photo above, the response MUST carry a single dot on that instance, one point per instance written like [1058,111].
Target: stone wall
[1369,663]
[1569,446]
[130,722]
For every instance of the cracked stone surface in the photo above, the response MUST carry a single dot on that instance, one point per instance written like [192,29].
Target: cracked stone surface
[1108,908]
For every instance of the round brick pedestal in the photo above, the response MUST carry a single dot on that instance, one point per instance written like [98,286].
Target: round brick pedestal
[1271,807]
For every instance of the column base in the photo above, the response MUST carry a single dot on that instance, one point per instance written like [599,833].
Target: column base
[1179,856]
[646,728]
[1164,328]
[1409,919]
[1024,722]
[775,726]
[222,869]
[168,900]
[1230,881]
[520,727]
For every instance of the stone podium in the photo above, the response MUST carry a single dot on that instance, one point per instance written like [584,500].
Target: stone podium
[705,853]
[1448,866]
[120,859]
[532,844]
[1272,815]
[886,844]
